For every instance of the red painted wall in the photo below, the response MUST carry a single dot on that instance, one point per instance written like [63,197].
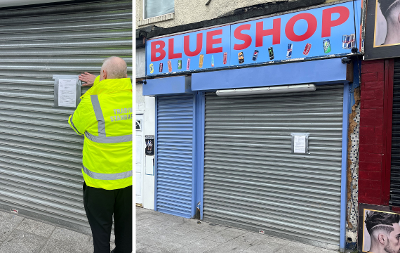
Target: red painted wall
[372,160]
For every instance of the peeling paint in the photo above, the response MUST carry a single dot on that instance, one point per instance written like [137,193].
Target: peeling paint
[352,169]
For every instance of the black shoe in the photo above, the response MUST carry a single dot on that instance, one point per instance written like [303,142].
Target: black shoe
[113,251]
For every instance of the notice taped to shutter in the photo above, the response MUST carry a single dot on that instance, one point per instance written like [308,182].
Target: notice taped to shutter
[67,92]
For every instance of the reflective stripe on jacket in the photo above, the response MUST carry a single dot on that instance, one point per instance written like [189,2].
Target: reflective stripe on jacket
[104,116]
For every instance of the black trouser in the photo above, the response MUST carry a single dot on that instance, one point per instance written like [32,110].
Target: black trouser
[100,205]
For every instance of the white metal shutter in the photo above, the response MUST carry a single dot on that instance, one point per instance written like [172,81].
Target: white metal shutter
[40,155]
[251,178]
[175,129]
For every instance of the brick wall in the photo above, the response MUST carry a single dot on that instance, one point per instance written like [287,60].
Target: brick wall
[372,170]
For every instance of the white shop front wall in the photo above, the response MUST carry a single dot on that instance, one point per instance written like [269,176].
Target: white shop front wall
[145,109]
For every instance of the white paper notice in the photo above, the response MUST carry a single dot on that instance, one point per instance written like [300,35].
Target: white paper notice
[67,92]
[299,145]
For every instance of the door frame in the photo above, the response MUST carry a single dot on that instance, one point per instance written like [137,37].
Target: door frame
[140,116]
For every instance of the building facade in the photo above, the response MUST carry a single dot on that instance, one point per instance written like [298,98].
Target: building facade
[256,116]
[379,159]
[145,127]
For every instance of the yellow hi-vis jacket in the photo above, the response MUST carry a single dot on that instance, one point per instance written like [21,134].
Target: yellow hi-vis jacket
[104,116]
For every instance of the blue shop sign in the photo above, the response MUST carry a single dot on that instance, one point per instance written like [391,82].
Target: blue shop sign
[327,31]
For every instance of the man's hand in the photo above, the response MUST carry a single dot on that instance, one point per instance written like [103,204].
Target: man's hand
[87,78]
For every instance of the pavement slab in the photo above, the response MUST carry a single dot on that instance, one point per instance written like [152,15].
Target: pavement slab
[143,248]
[36,227]
[158,232]
[155,232]
[64,240]
[296,247]
[225,235]
[8,222]
[265,248]
[199,246]
[20,241]
[238,244]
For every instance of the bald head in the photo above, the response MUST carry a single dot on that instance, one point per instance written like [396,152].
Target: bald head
[113,68]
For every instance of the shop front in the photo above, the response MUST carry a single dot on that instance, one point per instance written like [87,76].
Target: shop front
[256,137]
[175,149]
[254,176]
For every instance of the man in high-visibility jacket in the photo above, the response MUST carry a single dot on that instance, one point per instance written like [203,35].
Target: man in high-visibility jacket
[104,117]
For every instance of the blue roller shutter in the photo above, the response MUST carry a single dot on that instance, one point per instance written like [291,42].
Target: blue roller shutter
[174,155]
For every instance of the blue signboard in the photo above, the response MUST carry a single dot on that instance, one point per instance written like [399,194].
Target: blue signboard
[324,31]
[311,33]
[197,50]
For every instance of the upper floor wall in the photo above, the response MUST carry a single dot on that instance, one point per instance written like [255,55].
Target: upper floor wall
[188,11]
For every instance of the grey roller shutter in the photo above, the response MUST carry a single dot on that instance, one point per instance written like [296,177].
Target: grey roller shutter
[251,178]
[395,167]
[175,128]
[40,155]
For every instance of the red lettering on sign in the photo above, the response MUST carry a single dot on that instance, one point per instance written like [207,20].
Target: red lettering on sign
[275,32]
[328,23]
[199,45]
[311,28]
[157,47]
[240,36]
[171,54]
[211,42]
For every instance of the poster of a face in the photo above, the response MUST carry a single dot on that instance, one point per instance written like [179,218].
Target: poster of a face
[381,232]
[387,23]
[382,38]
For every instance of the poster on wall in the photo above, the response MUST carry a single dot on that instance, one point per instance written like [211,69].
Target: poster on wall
[379,230]
[382,36]
[328,31]
[149,140]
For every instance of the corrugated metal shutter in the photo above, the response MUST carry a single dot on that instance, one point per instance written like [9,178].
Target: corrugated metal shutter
[395,167]
[175,129]
[251,178]
[40,156]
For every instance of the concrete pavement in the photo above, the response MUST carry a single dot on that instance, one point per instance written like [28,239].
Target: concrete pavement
[158,232]
[155,232]
[23,235]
